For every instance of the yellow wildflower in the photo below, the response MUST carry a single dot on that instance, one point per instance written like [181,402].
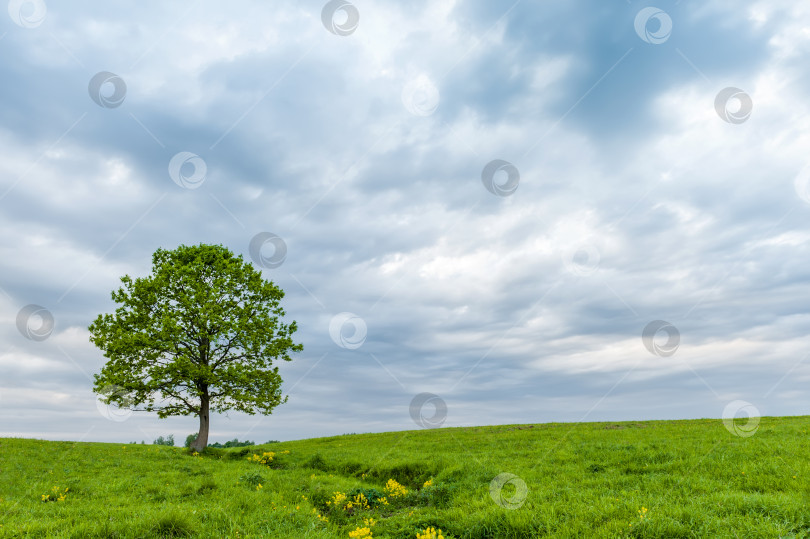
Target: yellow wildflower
[337,499]
[430,533]
[266,458]
[56,495]
[361,500]
[394,489]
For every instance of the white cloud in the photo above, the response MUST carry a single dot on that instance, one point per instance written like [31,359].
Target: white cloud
[472,296]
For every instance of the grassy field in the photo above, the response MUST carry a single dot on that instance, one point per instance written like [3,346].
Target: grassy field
[641,479]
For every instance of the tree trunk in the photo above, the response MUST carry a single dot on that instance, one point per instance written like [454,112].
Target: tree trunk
[202,437]
[202,387]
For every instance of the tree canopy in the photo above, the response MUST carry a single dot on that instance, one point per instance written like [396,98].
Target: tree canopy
[200,334]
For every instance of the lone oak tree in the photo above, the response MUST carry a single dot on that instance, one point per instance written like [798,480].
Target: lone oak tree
[199,334]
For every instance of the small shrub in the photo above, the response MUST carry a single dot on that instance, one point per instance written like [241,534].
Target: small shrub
[190,439]
[169,440]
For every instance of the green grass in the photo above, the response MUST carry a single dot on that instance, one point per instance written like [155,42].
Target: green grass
[694,478]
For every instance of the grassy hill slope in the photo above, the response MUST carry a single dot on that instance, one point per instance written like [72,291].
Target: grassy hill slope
[638,479]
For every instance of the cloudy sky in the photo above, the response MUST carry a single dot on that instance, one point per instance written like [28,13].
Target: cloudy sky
[534,212]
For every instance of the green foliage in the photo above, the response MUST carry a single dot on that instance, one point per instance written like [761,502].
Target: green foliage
[200,334]
[236,455]
[207,486]
[408,473]
[232,443]
[253,479]
[317,462]
[437,495]
[190,439]
[653,479]
[173,524]
[169,440]
[372,495]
